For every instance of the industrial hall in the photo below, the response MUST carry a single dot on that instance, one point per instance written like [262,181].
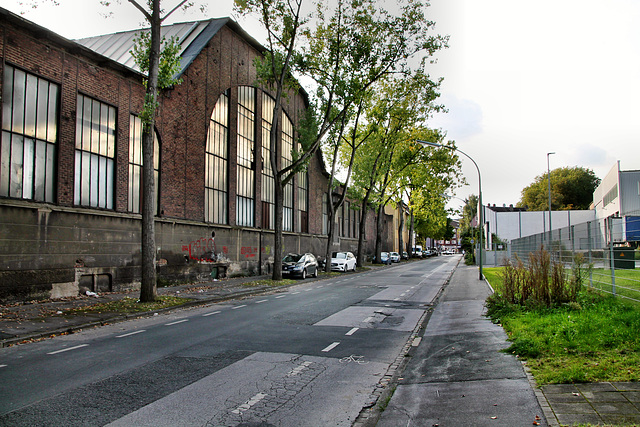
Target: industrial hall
[71,163]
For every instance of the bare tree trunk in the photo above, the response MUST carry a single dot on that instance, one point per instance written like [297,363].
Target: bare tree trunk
[148,288]
[412,244]
[400,229]
[277,241]
[379,232]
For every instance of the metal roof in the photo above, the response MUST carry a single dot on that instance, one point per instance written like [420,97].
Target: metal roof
[191,36]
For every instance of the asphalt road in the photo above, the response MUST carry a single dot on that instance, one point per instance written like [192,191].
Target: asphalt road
[309,356]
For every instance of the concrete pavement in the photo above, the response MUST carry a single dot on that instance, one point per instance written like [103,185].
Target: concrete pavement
[457,375]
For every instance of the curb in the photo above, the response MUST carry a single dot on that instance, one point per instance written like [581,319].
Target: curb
[8,342]
[369,415]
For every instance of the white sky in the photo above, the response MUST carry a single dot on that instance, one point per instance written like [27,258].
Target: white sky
[522,79]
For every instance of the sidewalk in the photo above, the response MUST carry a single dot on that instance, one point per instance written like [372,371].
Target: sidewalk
[40,319]
[457,376]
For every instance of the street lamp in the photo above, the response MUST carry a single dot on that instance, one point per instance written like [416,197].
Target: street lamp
[549,183]
[481,207]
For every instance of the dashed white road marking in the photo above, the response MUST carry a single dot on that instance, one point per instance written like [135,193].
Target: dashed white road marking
[3,366]
[132,333]
[352,331]
[261,301]
[238,306]
[299,369]
[212,313]
[69,349]
[246,406]
[368,319]
[176,322]
[295,293]
[331,347]
[280,296]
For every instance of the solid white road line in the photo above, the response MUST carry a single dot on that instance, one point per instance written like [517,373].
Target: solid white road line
[132,333]
[331,347]
[176,322]
[212,313]
[352,331]
[69,349]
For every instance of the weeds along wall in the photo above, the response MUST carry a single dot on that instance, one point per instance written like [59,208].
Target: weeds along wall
[605,248]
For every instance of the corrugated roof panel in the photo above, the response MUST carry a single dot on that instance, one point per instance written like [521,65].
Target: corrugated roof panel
[118,46]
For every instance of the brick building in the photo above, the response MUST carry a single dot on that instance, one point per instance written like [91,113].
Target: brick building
[70,163]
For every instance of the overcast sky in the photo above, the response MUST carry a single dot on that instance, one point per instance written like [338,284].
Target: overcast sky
[522,79]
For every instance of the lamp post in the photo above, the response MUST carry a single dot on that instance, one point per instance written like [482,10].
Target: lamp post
[480,207]
[549,190]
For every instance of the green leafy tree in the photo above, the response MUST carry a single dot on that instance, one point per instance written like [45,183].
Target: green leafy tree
[571,188]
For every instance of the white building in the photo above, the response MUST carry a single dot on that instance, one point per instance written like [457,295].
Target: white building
[616,203]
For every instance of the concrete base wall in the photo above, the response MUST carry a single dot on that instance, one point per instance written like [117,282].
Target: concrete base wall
[54,252]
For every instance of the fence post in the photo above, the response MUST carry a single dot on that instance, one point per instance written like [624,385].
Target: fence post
[590,257]
[573,247]
[611,263]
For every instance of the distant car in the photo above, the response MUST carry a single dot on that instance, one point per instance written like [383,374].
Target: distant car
[405,255]
[394,256]
[384,258]
[343,261]
[301,265]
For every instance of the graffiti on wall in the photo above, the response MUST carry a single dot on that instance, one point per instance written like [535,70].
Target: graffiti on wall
[205,250]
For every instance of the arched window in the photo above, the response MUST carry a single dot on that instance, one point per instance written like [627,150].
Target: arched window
[287,159]
[268,181]
[245,191]
[216,163]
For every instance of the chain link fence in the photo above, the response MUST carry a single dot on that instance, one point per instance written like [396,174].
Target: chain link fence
[604,248]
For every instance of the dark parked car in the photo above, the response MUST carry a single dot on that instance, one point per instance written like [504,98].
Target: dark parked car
[301,265]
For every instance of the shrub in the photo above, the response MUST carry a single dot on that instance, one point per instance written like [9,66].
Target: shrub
[544,282]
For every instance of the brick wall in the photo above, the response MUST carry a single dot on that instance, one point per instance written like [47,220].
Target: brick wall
[58,249]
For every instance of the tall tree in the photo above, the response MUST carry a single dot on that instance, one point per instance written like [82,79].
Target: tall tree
[149,57]
[344,54]
[571,188]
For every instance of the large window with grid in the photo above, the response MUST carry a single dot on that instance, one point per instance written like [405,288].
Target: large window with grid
[246,157]
[268,181]
[216,164]
[135,165]
[325,214]
[95,152]
[287,159]
[29,136]
[303,201]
